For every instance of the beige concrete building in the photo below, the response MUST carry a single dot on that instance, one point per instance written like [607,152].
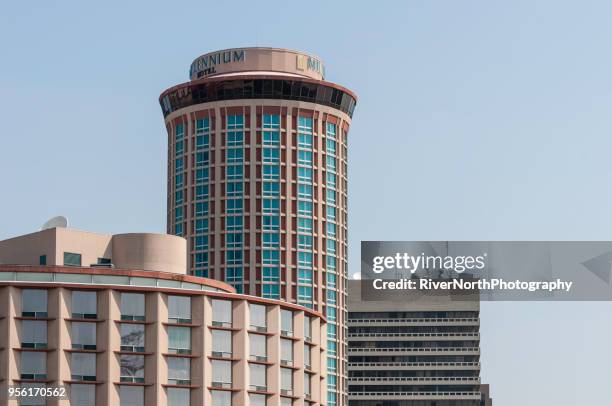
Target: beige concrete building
[421,352]
[116,320]
[257,181]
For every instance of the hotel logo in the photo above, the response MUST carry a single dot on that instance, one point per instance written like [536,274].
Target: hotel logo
[305,62]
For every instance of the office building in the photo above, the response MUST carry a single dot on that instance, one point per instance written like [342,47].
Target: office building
[116,320]
[257,181]
[421,352]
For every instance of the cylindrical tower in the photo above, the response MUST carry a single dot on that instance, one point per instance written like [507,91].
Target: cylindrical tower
[257,181]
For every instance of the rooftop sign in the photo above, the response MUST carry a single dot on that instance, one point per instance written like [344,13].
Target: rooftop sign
[257,60]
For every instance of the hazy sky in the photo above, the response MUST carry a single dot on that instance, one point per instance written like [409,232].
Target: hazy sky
[476,120]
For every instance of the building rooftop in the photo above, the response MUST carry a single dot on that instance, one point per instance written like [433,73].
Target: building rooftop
[257,59]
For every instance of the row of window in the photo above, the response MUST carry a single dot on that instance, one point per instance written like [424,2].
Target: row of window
[268,139]
[236,206]
[84,305]
[74,259]
[269,121]
[85,395]
[235,157]
[132,359]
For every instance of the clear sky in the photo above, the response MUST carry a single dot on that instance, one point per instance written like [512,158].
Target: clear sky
[476,120]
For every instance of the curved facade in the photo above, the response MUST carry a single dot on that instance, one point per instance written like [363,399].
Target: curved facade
[127,337]
[70,247]
[257,164]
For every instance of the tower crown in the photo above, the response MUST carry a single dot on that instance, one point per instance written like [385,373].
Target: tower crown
[257,60]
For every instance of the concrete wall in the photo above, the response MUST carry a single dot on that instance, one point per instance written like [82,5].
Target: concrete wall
[142,251]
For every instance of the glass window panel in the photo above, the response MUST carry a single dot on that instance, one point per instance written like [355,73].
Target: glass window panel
[132,306]
[271,222]
[178,397]
[257,400]
[131,395]
[179,340]
[307,328]
[222,342]
[271,138]
[132,337]
[222,371]
[222,311]
[258,315]
[286,379]
[33,365]
[34,400]
[83,366]
[179,370]
[72,259]
[34,302]
[287,321]
[132,368]
[258,347]
[34,276]
[83,335]
[84,304]
[286,351]
[201,226]
[257,374]
[138,281]
[179,309]
[33,334]
[82,395]
[72,278]
[270,291]
[111,280]
[221,398]
[307,356]
[307,384]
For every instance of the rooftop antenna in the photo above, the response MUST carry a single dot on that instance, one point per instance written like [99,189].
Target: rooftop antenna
[55,222]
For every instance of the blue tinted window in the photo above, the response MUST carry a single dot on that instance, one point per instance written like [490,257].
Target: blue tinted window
[271,121]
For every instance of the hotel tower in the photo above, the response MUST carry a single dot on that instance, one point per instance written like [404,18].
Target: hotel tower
[257,182]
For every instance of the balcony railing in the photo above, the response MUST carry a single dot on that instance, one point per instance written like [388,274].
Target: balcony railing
[421,395]
[37,377]
[413,364]
[286,333]
[218,384]
[36,315]
[131,379]
[179,351]
[387,379]
[92,316]
[83,378]
[436,320]
[217,323]
[132,348]
[130,317]
[37,346]
[172,381]
[91,347]
[409,349]
[179,320]
[369,335]
[222,354]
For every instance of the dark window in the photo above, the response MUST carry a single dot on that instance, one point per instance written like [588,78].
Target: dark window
[216,90]
[42,260]
[72,259]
